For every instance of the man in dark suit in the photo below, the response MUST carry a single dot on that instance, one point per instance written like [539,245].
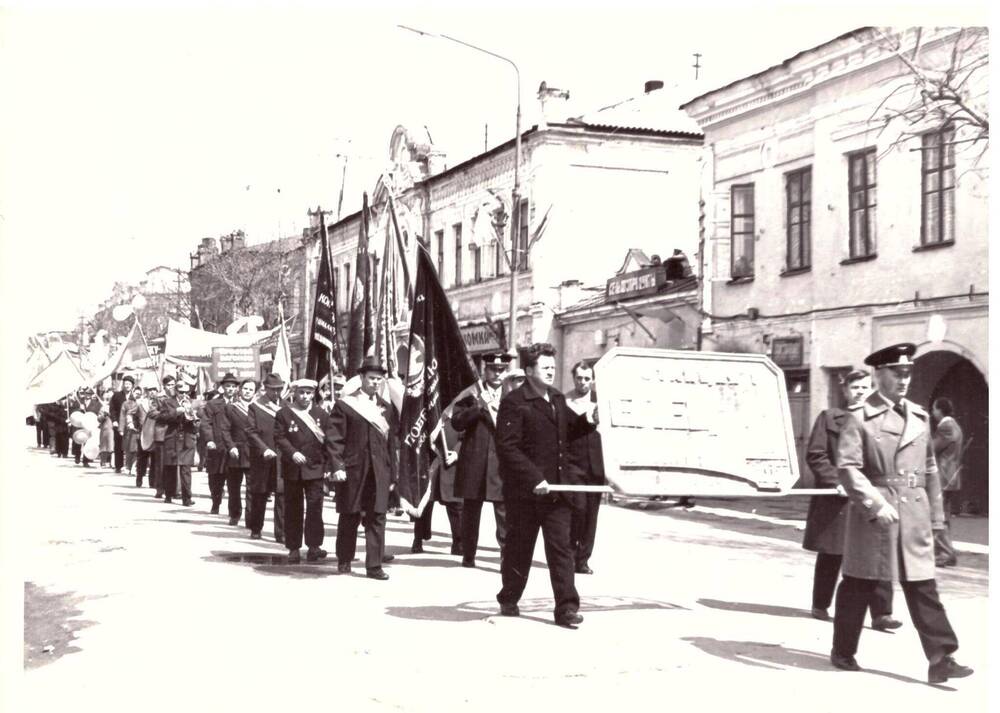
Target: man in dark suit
[362,451]
[886,464]
[299,432]
[477,475]
[115,411]
[587,457]
[534,428]
[824,532]
[235,422]
[211,435]
[264,476]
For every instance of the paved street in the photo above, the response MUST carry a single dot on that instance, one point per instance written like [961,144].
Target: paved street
[154,607]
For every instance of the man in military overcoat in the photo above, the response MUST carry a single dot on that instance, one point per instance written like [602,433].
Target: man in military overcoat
[887,467]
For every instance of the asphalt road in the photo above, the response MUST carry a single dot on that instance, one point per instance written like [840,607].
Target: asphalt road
[152,607]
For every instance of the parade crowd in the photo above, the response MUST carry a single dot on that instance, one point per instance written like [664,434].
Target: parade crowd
[891,462]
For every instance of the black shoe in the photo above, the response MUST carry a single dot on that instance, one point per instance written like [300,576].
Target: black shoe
[294,557]
[234,521]
[417,547]
[167,500]
[947,668]
[315,553]
[279,540]
[885,623]
[377,574]
[509,610]
[386,559]
[468,563]
[214,510]
[456,549]
[255,536]
[845,663]
[118,470]
[570,619]
[583,569]
[188,503]
[946,561]
[344,567]
[821,614]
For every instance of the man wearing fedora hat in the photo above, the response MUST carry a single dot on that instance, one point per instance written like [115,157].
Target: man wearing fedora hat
[300,432]
[210,432]
[264,476]
[477,474]
[361,443]
[886,464]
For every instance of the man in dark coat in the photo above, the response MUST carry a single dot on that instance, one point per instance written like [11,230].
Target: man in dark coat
[264,476]
[947,441]
[299,432]
[176,412]
[534,428]
[362,451]
[115,411]
[211,435]
[235,423]
[824,533]
[587,456]
[477,475]
[886,465]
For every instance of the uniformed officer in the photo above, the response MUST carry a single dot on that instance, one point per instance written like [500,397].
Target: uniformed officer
[886,465]
[824,533]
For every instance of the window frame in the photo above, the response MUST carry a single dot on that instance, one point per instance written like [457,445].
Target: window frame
[804,223]
[747,237]
[946,138]
[456,231]
[868,205]
[522,235]
[439,236]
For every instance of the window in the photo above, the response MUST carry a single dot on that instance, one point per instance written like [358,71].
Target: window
[477,263]
[439,236]
[742,230]
[522,236]
[798,192]
[862,201]
[937,223]
[458,253]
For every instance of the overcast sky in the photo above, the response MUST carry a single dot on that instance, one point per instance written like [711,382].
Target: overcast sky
[132,130]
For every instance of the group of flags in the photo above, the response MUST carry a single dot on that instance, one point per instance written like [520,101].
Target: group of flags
[437,366]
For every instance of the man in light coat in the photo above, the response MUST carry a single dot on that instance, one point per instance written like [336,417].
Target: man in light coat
[887,467]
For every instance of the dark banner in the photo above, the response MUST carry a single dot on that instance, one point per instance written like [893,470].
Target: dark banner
[324,349]
[362,325]
[439,370]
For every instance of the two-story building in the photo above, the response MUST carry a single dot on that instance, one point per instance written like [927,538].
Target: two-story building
[844,216]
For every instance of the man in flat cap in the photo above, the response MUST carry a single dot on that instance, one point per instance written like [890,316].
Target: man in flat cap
[886,465]
[264,477]
[824,532]
[362,449]
[299,432]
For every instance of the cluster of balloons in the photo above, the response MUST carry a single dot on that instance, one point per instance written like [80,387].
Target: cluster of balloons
[86,434]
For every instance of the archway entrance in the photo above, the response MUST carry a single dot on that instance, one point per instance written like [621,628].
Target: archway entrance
[944,373]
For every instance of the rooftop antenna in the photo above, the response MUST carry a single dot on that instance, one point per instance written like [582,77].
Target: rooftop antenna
[697,64]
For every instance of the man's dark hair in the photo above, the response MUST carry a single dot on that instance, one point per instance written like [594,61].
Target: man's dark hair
[529,358]
[581,365]
[248,381]
[944,405]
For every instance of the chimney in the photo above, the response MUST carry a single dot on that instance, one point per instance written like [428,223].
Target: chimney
[570,292]
[652,85]
[554,103]
[239,240]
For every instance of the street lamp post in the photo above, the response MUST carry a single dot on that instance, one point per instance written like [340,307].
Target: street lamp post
[515,209]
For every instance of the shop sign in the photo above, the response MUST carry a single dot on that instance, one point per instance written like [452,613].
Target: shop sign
[480,338]
[786,351]
[640,282]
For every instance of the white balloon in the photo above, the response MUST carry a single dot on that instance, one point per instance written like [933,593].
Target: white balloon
[90,422]
[121,312]
[138,303]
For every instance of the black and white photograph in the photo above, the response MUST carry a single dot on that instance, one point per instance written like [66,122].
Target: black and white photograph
[439,356]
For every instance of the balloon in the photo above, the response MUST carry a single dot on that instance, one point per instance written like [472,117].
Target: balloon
[138,303]
[91,450]
[81,436]
[121,312]
[76,419]
[90,422]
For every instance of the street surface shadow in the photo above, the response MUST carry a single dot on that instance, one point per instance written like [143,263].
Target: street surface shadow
[50,625]
[277,564]
[534,609]
[184,522]
[777,657]
[753,608]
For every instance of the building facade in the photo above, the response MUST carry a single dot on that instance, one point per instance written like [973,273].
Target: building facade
[844,216]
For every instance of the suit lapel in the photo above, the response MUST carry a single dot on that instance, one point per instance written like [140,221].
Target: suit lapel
[912,429]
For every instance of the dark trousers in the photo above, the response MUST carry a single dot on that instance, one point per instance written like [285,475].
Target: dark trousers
[216,484]
[171,474]
[41,434]
[928,615]
[258,511]
[943,548]
[77,450]
[295,492]
[119,453]
[422,527]
[583,529]
[347,537]
[143,465]
[472,511]
[158,466]
[524,519]
[825,582]
[62,444]
[234,483]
